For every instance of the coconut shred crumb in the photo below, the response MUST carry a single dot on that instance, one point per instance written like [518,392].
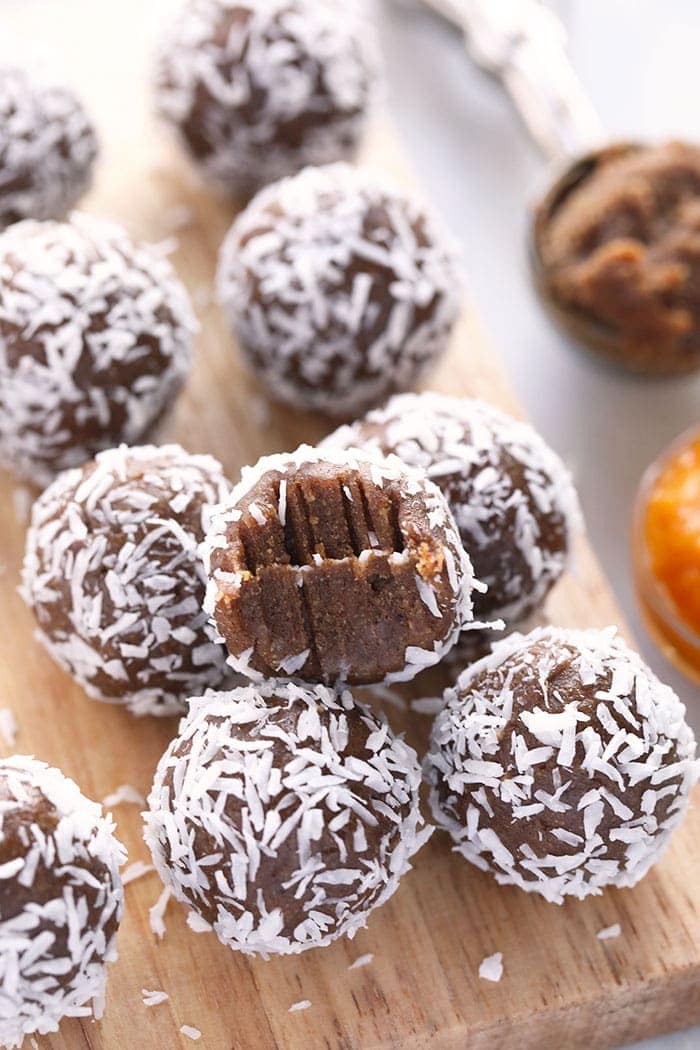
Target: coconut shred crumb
[157,912]
[153,998]
[609,932]
[362,960]
[491,968]
[136,871]
[191,1032]
[303,1004]
[8,726]
[124,793]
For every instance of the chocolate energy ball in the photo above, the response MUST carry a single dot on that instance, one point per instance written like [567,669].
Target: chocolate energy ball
[340,288]
[560,763]
[258,89]
[113,576]
[61,900]
[622,249]
[47,147]
[95,342]
[283,814]
[511,496]
[332,566]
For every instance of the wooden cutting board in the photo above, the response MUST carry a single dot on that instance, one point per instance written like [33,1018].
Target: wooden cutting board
[562,987]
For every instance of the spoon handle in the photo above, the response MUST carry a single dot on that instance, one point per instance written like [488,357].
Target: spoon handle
[523,44]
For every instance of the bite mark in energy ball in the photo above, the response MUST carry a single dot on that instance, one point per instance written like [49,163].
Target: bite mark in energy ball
[61,900]
[331,565]
[561,764]
[258,89]
[623,249]
[113,575]
[47,147]
[510,494]
[95,342]
[340,289]
[283,814]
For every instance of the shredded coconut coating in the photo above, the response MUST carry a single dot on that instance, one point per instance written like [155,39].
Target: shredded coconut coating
[561,763]
[258,89]
[95,342]
[511,496]
[113,575]
[283,814]
[47,147]
[340,288]
[61,900]
[441,575]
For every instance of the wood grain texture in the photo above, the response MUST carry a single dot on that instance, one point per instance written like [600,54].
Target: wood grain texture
[561,987]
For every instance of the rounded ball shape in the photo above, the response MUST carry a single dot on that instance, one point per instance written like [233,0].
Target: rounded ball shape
[560,763]
[339,287]
[335,566]
[112,573]
[95,342]
[511,496]
[258,89]
[283,814]
[47,147]
[61,900]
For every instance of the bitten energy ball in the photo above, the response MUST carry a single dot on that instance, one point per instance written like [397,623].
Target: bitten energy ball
[47,147]
[283,814]
[511,496]
[561,763]
[332,566]
[95,342]
[258,89]
[339,287]
[61,900]
[114,578]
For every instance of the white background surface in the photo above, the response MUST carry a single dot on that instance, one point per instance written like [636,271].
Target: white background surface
[639,62]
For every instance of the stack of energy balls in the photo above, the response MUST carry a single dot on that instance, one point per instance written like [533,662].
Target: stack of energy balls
[285,809]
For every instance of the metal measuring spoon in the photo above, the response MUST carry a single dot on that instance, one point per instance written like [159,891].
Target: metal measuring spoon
[523,44]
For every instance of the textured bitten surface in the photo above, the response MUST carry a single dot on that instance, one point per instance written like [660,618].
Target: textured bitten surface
[113,575]
[259,89]
[95,342]
[340,288]
[61,900]
[47,147]
[623,249]
[283,814]
[335,566]
[511,496]
[561,763]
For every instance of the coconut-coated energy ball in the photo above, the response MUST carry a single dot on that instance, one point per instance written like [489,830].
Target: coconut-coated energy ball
[560,763]
[47,147]
[95,342]
[283,814]
[113,576]
[333,566]
[258,89]
[340,288]
[511,495]
[61,900]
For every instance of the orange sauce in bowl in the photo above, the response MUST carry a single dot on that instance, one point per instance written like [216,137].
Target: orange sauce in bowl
[667,552]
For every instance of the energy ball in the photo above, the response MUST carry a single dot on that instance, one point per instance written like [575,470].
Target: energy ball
[332,566]
[95,342]
[560,763]
[258,89]
[47,147]
[113,575]
[283,814]
[340,289]
[61,900]
[511,496]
